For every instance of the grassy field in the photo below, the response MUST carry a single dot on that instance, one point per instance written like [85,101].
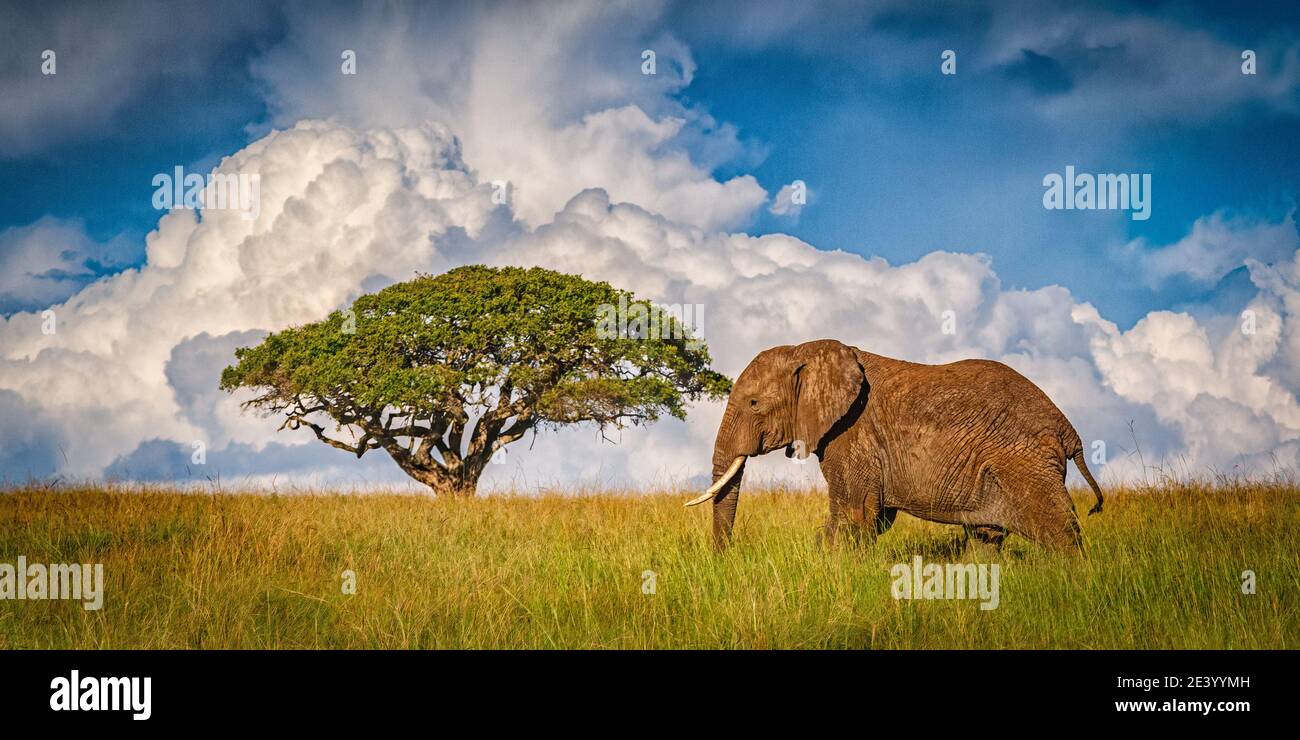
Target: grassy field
[194,570]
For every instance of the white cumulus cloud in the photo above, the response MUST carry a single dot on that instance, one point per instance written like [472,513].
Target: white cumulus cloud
[551,101]
[1217,245]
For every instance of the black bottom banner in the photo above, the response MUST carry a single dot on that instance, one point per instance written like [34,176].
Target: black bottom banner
[305,689]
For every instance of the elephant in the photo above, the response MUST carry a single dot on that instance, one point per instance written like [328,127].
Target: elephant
[972,443]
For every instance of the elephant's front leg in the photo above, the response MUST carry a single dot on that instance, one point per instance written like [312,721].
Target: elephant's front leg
[857,514]
[837,522]
[876,517]
[856,498]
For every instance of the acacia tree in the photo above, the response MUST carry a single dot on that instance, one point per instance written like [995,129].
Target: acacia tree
[443,371]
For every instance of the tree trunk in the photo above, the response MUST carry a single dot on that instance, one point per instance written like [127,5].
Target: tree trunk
[462,482]
[455,490]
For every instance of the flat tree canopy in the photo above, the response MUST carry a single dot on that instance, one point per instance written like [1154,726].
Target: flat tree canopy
[442,371]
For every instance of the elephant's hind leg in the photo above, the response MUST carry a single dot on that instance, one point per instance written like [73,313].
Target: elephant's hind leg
[990,536]
[1045,514]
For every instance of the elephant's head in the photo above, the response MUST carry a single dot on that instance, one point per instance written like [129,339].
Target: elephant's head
[791,397]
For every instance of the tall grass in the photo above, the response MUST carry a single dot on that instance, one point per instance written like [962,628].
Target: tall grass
[189,570]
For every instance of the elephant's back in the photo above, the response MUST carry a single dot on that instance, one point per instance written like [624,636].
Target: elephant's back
[971,403]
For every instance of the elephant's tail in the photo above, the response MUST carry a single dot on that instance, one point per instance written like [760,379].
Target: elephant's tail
[1087,475]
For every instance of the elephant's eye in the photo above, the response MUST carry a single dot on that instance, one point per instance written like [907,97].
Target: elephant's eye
[753,404]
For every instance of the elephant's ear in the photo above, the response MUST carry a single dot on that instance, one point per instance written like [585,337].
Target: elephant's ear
[827,381]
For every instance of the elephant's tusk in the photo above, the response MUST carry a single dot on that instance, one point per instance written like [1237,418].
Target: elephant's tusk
[713,489]
[700,499]
[731,471]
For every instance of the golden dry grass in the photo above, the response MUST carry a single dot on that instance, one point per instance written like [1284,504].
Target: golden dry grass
[195,570]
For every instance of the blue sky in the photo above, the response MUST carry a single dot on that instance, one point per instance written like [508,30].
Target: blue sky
[922,169]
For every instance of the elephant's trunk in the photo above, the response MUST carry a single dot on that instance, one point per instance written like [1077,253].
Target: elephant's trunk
[728,470]
[724,506]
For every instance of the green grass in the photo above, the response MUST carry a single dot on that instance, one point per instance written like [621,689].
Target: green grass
[192,570]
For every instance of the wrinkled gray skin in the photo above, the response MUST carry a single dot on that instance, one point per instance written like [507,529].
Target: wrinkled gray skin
[972,443]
